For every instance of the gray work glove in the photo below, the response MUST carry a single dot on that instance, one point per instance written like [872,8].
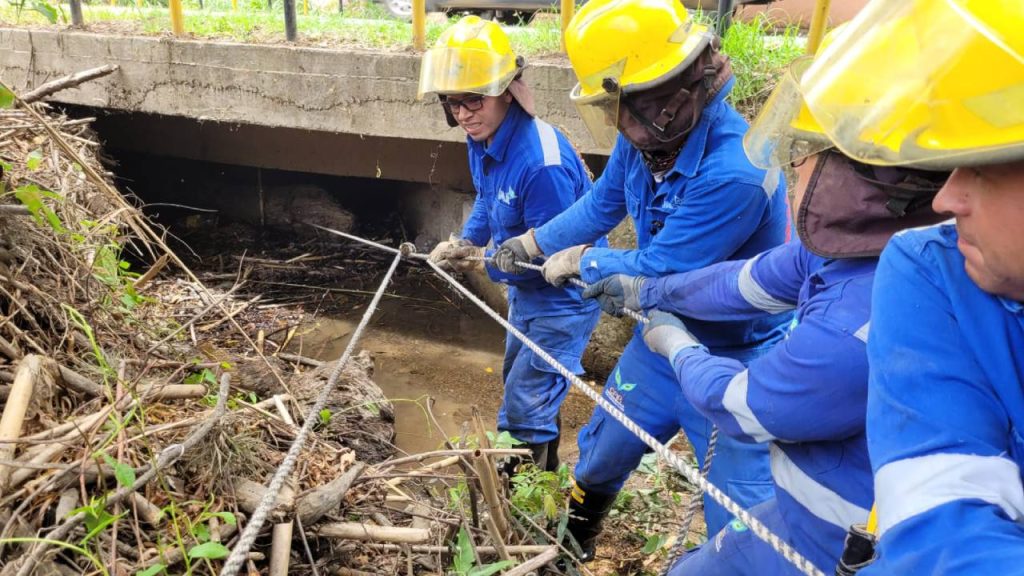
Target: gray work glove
[564,264]
[466,259]
[522,248]
[667,335]
[440,252]
[617,292]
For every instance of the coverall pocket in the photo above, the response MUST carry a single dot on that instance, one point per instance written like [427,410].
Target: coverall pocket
[508,216]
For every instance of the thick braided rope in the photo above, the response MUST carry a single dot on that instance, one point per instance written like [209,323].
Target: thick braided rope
[259,516]
[691,474]
[692,508]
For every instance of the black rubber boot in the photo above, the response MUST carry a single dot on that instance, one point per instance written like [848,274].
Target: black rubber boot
[587,510]
[552,461]
[539,453]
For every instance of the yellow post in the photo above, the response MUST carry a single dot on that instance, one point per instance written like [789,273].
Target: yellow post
[305,7]
[177,20]
[818,23]
[138,3]
[567,9]
[234,5]
[419,24]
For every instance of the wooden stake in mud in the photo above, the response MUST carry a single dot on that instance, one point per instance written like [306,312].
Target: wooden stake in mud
[14,411]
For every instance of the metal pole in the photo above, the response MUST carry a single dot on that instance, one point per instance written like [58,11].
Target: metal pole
[76,13]
[290,31]
[177,20]
[419,24]
[818,22]
[568,9]
[724,17]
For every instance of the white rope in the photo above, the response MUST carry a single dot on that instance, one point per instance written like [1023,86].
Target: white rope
[691,474]
[241,550]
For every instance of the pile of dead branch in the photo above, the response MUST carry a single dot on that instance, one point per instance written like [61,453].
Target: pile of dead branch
[132,441]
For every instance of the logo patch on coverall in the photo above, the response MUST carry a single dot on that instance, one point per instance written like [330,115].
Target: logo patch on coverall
[506,197]
[615,394]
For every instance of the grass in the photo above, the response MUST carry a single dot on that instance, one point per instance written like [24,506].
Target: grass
[367,24]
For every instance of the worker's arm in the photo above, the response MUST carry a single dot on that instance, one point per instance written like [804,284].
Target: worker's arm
[709,226]
[768,283]
[949,497]
[477,229]
[592,216]
[544,193]
[820,364]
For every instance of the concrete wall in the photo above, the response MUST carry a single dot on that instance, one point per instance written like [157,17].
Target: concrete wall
[335,91]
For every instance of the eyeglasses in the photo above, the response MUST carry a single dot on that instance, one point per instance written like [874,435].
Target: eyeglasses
[471,103]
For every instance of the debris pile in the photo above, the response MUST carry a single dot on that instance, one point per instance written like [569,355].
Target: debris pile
[141,422]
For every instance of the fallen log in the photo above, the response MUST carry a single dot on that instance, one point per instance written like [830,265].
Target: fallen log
[312,505]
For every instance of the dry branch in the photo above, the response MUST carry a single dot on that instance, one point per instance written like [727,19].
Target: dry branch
[69,81]
[371,533]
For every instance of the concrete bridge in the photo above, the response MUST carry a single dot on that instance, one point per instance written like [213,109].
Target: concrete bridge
[339,112]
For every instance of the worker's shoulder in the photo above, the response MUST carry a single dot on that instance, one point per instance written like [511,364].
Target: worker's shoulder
[539,144]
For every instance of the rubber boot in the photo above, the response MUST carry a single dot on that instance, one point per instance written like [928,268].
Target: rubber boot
[539,453]
[587,510]
[551,463]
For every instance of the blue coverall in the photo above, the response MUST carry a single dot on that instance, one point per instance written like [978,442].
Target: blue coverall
[528,174]
[945,414]
[807,396]
[712,205]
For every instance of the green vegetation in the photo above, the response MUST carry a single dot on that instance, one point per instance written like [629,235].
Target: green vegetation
[756,50]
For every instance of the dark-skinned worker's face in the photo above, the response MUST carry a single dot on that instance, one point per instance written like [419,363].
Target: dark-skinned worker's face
[988,204]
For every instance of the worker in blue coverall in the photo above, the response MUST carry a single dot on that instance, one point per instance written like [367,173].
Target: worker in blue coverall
[678,170]
[946,394]
[525,172]
[808,395]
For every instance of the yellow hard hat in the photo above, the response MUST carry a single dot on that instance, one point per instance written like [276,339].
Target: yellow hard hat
[932,84]
[627,46]
[472,56]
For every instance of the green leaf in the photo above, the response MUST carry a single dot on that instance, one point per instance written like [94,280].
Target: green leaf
[325,416]
[46,10]
[201,532]
[209,550]
[463,560]
[6,101]
[489,569]
[654,542]
[124,473]
[35,158]
[152,570]
[32,197]
[227,517]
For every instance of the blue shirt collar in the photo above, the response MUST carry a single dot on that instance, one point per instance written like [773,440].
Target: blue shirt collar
[503,137]
[696,142]
[1012,305]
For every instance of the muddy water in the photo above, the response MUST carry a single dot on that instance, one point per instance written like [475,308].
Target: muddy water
[433,349]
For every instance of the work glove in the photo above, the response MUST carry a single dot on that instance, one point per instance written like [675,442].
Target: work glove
[466,259]
[667,335]
[522,248]
[440,252]
[564,265]
[617,292]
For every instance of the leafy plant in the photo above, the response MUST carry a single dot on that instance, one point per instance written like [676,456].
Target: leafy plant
[464,561]
[31,196]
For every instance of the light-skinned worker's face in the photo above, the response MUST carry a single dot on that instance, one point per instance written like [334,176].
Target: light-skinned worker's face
[988,203]
[480,116]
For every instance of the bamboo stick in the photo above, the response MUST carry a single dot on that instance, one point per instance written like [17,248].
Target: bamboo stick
[14,412]
[534,563]
[281,541]
[371,533]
